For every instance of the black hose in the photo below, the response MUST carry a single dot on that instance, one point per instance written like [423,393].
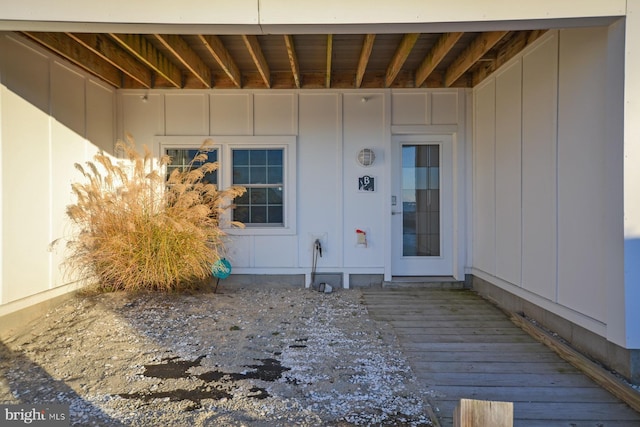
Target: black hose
[317,250]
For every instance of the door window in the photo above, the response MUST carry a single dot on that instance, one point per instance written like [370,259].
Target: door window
[421,200]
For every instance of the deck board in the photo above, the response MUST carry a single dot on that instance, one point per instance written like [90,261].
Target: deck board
[460,346]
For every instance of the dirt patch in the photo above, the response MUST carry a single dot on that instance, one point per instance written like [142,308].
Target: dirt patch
[242,356]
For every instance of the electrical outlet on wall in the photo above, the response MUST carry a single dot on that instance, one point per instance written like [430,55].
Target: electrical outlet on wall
[323,237]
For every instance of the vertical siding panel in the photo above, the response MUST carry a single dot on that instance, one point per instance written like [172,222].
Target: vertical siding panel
[582,207]
[539,184]
[484,178]
[508,173]
[100,116]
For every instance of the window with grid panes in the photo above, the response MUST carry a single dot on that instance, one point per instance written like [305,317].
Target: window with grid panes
[181,159]
[261,172]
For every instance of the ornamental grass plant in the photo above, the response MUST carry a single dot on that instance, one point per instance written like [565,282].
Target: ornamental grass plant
[138,229]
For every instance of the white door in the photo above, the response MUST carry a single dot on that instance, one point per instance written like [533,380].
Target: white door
[422,206]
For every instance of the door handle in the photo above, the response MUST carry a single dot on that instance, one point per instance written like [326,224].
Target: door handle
[396,212]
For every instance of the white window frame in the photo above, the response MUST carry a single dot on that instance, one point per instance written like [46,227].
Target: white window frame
[225,144]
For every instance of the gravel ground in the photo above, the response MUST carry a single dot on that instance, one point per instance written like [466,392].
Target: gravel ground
[239,357]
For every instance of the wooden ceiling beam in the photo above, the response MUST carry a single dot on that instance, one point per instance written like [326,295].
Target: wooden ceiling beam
[329,58]
[293,59]
[363,60]
[399,57]
[84,58]
[187,56]
[253,46]
[108,50]
[145,52]
[222,56]
[435,56]
[478,47]
[511,47]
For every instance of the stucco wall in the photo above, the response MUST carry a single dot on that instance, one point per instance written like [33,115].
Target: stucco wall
[547,211]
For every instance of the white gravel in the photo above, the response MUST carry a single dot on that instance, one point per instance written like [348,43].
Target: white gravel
[241,357]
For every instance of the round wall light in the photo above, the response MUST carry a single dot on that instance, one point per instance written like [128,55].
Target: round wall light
[366,157]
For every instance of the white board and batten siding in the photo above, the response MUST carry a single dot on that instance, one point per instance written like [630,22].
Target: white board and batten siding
[53,115]
[329,129]
[546,205]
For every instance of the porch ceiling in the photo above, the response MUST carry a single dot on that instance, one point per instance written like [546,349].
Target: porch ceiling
[284,61]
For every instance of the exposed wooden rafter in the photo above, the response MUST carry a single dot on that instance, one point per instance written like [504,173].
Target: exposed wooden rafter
[144,51]
[365,53]
[216,48]
[478,47]
[108,50]
[183,53]
[314,61]
[329,58]
[253,46]
[66,47]
[293,59]
[437,53]
[401,54]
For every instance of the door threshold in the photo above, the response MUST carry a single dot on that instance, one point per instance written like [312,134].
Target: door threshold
[432,282]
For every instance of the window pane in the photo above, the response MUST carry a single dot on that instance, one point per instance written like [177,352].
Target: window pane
[274,157]
[240,175]
[434,178]
[241,213]
[275,214]
[182,159]
[258,157]
[258,214]
[434,155]
[240,157]
[275,175]
[275,196]
[242,200]
[258,175]
[261,172]
[420,200]
[258,196]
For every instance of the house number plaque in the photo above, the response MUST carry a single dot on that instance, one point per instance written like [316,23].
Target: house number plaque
[366,183]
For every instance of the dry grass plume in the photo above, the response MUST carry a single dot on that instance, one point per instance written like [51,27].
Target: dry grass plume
[138,229]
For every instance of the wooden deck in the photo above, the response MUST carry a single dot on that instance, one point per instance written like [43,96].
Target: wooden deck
[461,346]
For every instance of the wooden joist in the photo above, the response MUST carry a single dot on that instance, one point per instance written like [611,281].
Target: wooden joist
[365,53]
[108,50]
[478,47]
[145,52]
[399,57]
[66,47]
[181,50]
[329,58]
[435,56]
[253,46]
[222,56]
[313,61]
[293,59]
